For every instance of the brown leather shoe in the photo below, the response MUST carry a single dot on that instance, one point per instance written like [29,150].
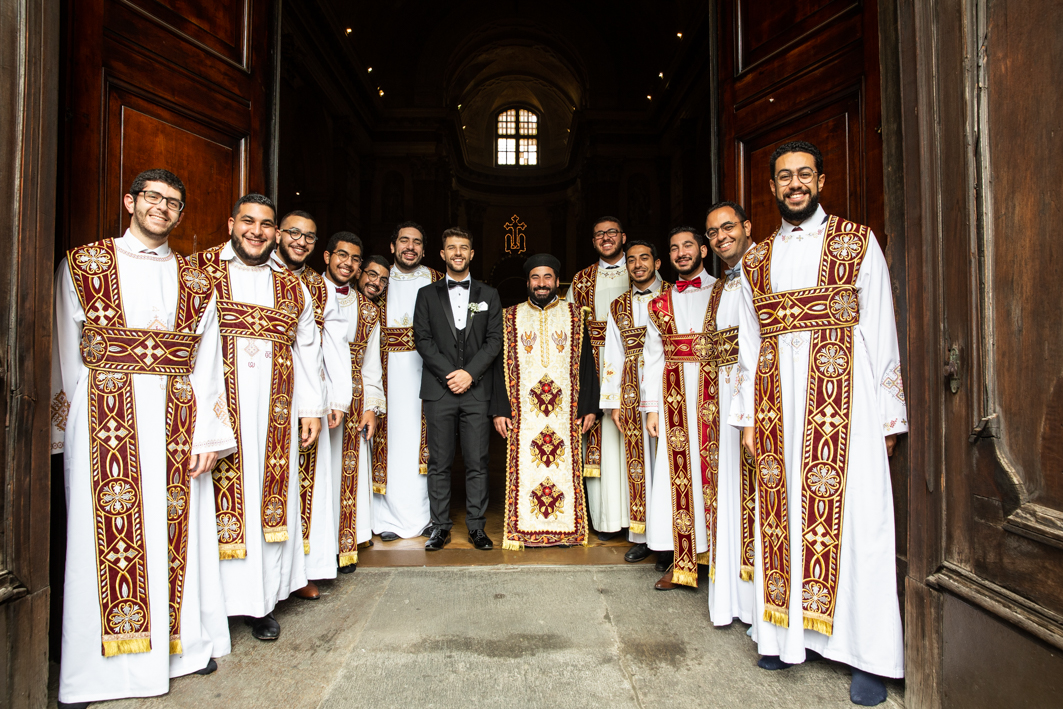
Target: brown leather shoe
[665,582]
[308,592]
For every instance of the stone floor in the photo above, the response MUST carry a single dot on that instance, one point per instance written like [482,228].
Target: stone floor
[503,636]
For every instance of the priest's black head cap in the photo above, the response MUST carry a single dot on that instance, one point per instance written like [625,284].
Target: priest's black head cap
[542,260]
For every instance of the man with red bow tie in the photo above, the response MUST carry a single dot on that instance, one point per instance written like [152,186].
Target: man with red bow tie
[678,338]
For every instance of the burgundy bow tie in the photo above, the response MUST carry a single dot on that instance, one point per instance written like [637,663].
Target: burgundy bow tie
[343,290]
[683,285]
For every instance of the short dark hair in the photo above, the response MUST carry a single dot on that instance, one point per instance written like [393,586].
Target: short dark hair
[347,236]
[642,242]
[797,146]
[739,212]
[406,225]
[254,198]
[378,260]
[298,213]
[458,233]
[696,232]
[606,218]
[157,175]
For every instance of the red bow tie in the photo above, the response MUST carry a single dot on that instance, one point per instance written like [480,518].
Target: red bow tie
[683,285]
[343,290]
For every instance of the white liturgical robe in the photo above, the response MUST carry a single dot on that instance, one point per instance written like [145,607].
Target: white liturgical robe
[690,306]
[403,509]
[271,570]
[373,400]
[149,288]
[867,622]
[612,378]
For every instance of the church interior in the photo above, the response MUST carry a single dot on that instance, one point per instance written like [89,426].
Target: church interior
[526,121]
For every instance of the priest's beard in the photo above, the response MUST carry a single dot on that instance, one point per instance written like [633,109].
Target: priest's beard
[695,266]
[247,258]
[796,216]
[543,296]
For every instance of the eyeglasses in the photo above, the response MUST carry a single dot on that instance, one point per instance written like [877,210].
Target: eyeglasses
[374,277]
[599,235]
[311,237]
[344,256]
[785,177]
[152,197]
[726,227]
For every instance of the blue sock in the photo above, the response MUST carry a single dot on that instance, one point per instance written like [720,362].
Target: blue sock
[866,689]
[772,662]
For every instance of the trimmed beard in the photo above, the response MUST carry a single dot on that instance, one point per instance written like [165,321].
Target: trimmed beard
[247,258]
[798,215]
[542,303]
[286,256]
[695,266]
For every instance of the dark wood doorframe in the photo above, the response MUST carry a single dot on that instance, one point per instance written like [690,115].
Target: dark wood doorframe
[29,49]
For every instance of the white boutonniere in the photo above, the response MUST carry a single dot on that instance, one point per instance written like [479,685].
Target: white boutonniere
[480,307]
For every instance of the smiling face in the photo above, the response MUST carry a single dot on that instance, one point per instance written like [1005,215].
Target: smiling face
[457,253]
[797,201]
[373,281]
[542,285]
[344,263]
[686,252]
[153,222]
[253,233]
[408,249]
[294,252]
[641,266]
[608,239]
[728,236]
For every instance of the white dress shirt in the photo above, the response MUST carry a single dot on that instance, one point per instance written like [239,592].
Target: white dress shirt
[459,300]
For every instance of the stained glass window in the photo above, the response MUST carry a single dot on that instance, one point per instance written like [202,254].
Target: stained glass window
[523,148]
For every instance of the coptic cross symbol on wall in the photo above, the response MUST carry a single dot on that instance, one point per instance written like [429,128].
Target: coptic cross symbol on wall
[515,235]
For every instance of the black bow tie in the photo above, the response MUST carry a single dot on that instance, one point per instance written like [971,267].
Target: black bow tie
[609,268]
[458,284]
[644,292]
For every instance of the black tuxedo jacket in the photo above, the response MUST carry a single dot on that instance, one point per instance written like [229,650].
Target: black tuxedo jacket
[437,340]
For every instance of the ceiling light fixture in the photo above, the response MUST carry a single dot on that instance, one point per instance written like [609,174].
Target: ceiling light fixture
[370,70]
[679,35]
[349,30]
[296,194]
[649,98]
[661,75]
[459,106]
[380,90]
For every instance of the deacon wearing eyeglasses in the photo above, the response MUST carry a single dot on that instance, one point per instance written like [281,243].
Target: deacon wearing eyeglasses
[373,283]
[138,410]
[820,400]
[595,288]
[351,464]
[296,240]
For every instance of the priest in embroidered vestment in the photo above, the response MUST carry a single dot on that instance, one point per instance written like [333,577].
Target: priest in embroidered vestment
[139,414]
[271,350]
[296,240]
[594,288]
[821,402]
[621,380]
[352,442]
[677,393]
[545,397]
[400,448]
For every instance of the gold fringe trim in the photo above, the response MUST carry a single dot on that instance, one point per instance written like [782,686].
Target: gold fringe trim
[175,646]
[126,647]
[306,546]
[777,616]
[712,574]
[379,488]
[511,545]
[746,574]
[592,472]
[232,551]
[703,558]
[820,625]
[277,534]
[348,557]
[637,527]
[422,469]
[684,578]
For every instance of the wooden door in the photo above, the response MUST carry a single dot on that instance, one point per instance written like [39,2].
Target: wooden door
[178,84]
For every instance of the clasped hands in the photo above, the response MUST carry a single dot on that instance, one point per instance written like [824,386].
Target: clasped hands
[504,425]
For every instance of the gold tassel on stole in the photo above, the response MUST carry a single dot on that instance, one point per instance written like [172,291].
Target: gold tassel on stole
[746,574]
[175,647]
[306,546]
[510,545]
[348,558]
[638,528]
[232,551]
[781,618]
[278,535]
[128,646]
[820,625]
[684,578]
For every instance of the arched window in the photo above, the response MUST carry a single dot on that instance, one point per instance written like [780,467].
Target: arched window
[518,142]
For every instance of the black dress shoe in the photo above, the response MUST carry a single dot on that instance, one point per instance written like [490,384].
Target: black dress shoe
[606,536]
[388,536]
[348,569]
[264,628]
[210,669]
[480,540]
[73,705]
[664,561]
[427,531]
[438,540]
[637,553]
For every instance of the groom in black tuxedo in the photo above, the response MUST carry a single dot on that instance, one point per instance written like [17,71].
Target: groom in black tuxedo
[457,329]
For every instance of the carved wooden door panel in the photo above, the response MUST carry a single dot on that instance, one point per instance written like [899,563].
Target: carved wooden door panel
[178,84]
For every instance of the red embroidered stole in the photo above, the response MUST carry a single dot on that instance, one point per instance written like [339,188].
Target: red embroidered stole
[828,311]
[583,284]
[680,348]
[368,316]
[631,428]
[308,455]
[394,339]
[277,325]
[113,353]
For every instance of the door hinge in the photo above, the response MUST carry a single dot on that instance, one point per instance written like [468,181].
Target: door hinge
[984,429]
[952,369]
